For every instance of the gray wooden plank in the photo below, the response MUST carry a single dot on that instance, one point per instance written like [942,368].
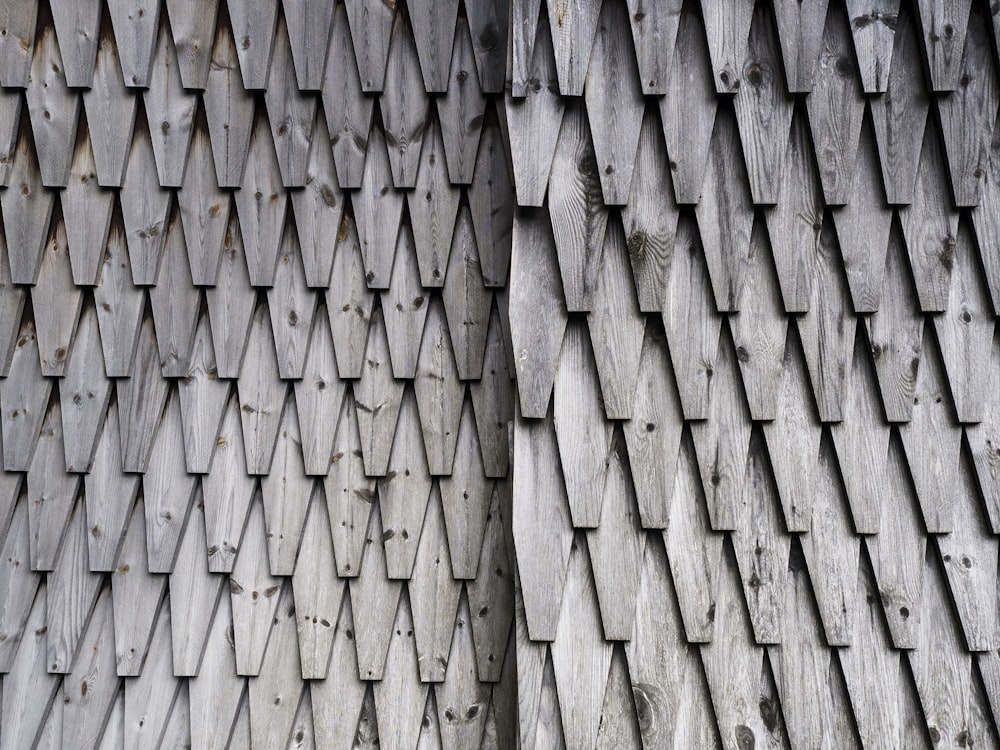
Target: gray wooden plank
[462,700]
[371,24]
[240,737]
[52,493]
[615,103]
[136,596]
[488,22]
[728,29]
[348,112]
[725,213]
[318,397]
[27,208]
[119,305]
[349,301]
[145,209]
[141,399]
[493,399]
[491,200]
[229,110]
[534,119]
[874,24]
[216,693]
[760,328]
[434,596]
[581,658]
[291,113]
[375,599]
[192,27]
[800,31]
[84,394]
[318,209]
[969,112]
[439,391]
[318,593]
[650,216]
[433,206]
[10,120]
[53,109]
[984,218]
[462,108]
[399,698]
[111,111]
[24,394]
[262,394]
[194,599]
[983,438]
[253,26]
[261,203]
[434,33]
[228,492]
[175,304]
[203,396]
[12,298]
[309,33]
[286,493]
[378,209]
[110,494]
[204,210]
[170,109]
[292,306]
[17,47]
[579,216]
[350,493]
[930,226]
[55,325]
[135,26]
[763,109]
[19,586]
[337,701]
[828,330]
[467,302]
[404,106]
[168,491]
[231,304]
[654,32]
[944,25]
[377,396]
[86,209]
[152,699]
[691,321]
[573,28]
[404,307]
[524,25]
[177,732]
[894,332]
[276,692]
[835,107]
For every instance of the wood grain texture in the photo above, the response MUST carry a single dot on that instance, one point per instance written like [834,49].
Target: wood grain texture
[192,26]
[377,210]
[467,302]
[86,209]
[274,695]
[261,393]
[874,24]
[19,21]
[203,397]
[491,201]
[170,109]
[291,112]
[433,206]
[174,304]
[145,210]
[493,398]
[377,395]
[83,394]
[55,325]
[52,494]
[53,110]
[77,28]
[944,24]
[309,33]
[462,108]
[119,305]
[291,306]
[229,110]
[800,31]
[439,391]
[135,26]
[371,25]
[27,208]
[141,399]
[253,25]
[728,29]
[24,394]
[318,397]
[404,307]
[983,441]
[286,493]
[983,222]
[404,105]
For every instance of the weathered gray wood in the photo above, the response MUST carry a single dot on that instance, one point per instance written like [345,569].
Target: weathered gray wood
[145,209]
[434,33]
[168,491]
[434,596]
[534,120]
[318,398]
[463,699]
[18,585]
[84,394]
[728,29]
[136,595]
[579,216]
[404,106]
[371,24]
[10,120]
[894,332]
[261,203]
[135,26]
[350,493]
[491,200]
[462,108]
[524,25]
[55,325]
[204,210]
[291,113]
[349,302]
[292,306]
[12,298]
[378,210]
[318,593]
[194,599]
[983,439]
[573,28]
[348,111]
[691,321]
[800,31]
[175,304]
[152,699]
[760,328]
[24,394]
[177,732]
[439,391]
[18,20]
[228,492]
[240,737]
[111,111]
[27,208]
[86,209]
[53,110]
[399,698]
[253,28]
[615,102]
[433,207]
[654,32]
[493,399]
[944,25]
[538,310]
[192,27]
[286,493]
[261,393]
[836,107]
[930,226]
[229,109]
[828,330]
[309,34]
[546,528]
[318,209]
[377,395]
[721,441]
[581,658]
[119,305]
[874,24]
[170,111]
[231,304]
[203,396]
[109,494]
[763,109]
[932,440]
[276,692]
[141,398]
[337,700]
[488,22]
[901,114]
[467,302]
[217,691]
[984,221]
[725,214]
[375,599]
[404,307]
[650,216]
